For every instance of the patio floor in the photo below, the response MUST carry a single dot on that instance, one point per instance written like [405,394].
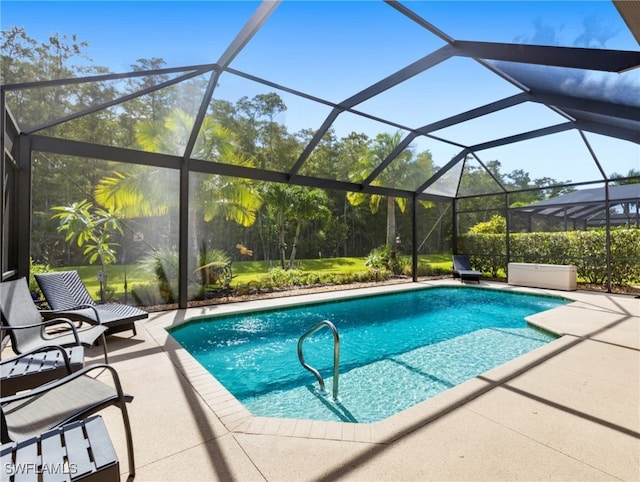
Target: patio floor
[567,411]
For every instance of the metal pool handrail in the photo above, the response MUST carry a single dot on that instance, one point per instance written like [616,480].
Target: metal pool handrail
[336,355]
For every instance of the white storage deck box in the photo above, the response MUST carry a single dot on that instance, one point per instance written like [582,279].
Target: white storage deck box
[552,276]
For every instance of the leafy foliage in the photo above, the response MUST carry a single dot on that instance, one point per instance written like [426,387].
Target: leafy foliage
[585,249]
[496,225]
[386,258]
[93,231]
[400,173]
[36,268]
[278,278]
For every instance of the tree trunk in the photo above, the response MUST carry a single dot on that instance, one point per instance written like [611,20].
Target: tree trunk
[263,243]
[344,221]
[283,245]
[103,281]
[194,250]
[292,258]
[391,221]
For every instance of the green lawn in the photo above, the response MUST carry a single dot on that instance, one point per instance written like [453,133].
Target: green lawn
[243,271]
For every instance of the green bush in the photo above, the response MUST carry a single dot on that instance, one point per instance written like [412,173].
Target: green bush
[378,258]
[487,252]
[147,294]
[584,249]
[496,225]
[278,278]
[36,268]
[384,258]
[214,268]
[424,269]
[625,251]
[164,264]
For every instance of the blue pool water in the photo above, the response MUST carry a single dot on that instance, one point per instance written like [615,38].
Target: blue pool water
[396,350]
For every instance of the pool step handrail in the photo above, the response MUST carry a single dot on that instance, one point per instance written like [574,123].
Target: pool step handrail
[336,354]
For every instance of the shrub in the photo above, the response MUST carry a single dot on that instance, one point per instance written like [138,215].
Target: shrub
[625,249]
[147,294]
[278,278]
[36,268]
[384,258]
[163,263]
[378,258]
[585,249]
[214,268]
[487,252]
[496,225]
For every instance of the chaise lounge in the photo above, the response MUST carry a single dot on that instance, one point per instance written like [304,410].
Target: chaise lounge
[27,415]
[27,329]
[68,297]
[462,269]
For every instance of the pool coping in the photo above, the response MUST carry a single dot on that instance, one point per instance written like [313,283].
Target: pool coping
[238,419]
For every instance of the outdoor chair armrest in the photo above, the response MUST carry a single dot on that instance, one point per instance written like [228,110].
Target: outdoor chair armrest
[44,323]
[65,355]
[61,381]
[78,307]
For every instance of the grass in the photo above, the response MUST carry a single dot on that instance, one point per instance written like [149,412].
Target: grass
[243,271]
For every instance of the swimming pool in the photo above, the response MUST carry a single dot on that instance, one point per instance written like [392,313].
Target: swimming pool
[396,350]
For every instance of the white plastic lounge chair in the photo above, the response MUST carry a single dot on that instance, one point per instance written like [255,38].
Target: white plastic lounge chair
[68,297]
[74,397]
[26,328]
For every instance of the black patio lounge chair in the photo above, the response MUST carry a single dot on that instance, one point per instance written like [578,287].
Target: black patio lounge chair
[74,397]
[68,297]
[27,329]
[462,269]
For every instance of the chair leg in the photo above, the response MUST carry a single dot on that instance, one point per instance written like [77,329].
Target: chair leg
[122,403]
[104,348]
[127,429]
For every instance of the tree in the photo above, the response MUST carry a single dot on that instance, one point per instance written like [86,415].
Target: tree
[92,230]
[56,180]
[295,206]
[135,194]
[399,173]
[260,137]
[632,177]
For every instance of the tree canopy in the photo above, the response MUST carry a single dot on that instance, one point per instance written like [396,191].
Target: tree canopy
[249,132]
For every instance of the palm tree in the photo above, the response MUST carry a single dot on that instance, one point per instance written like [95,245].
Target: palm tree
[142,192]
[400,172]
[296,205]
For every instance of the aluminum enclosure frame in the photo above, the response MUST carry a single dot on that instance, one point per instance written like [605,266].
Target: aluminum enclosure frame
[581,114]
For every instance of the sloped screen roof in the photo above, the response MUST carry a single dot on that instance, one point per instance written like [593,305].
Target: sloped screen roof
[591,205]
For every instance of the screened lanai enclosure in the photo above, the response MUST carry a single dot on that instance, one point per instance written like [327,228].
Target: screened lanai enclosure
[509,131]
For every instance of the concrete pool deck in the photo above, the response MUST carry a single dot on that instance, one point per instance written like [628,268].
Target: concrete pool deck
[567,411]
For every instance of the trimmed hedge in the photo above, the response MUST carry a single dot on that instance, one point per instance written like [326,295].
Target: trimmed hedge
[584,249]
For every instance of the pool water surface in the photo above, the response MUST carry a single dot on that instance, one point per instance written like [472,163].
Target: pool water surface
[396,350]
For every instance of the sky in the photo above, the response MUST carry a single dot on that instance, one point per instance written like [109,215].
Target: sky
[333,49]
